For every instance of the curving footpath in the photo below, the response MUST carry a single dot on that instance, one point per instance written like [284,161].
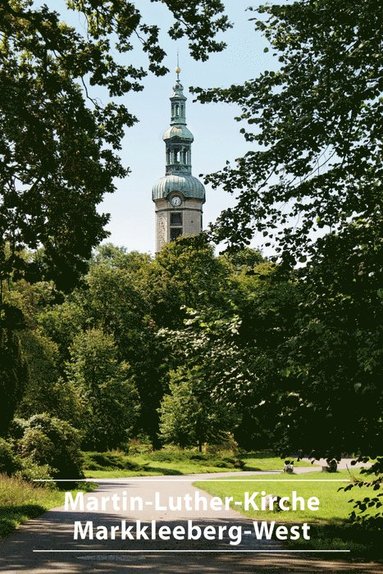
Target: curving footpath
[45,545]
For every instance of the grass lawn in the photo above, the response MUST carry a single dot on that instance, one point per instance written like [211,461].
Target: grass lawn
[264,460]
[151,470]
[21,500]
[333,504]
[170,461]
[329,527]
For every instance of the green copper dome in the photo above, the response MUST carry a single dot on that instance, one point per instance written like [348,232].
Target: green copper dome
[178,142]
[178,132]
[189,186]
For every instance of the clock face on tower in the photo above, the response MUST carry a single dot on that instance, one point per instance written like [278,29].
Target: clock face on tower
[176,201]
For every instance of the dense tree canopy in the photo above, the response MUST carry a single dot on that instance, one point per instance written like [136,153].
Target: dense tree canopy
[107,402]
[314,125]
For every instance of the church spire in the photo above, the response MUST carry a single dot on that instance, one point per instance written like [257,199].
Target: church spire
[178,138]
[178,105]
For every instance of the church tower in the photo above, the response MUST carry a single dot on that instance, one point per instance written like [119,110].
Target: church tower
[178,196]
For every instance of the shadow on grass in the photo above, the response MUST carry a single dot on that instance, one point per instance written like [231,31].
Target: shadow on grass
[366,544]
[11,516]
[142,471]
[165,471]
[260,454]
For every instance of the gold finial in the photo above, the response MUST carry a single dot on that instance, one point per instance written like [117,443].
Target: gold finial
[178,69]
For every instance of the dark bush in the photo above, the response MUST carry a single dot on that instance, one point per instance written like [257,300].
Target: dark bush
[8,460]
[51,441]
[198,456]
[17,428]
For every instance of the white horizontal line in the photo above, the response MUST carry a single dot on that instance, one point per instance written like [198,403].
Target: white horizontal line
[185,551]
[279,480]
[191,479]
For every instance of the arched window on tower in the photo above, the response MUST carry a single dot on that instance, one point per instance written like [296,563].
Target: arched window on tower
[177,110]
[185,156]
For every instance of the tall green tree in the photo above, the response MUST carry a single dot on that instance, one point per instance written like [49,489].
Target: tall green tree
[238,347]
[117,299]
[45,389]
[130,296]
[13,377]
[333,357]
[313,127]
[311,186]
[107,400]
[189,414]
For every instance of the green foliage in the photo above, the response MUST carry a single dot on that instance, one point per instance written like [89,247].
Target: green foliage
[62,322]
[116,301]
[43,388]
[13,376]
[109,461]
[313,127]
[180,414]
[190,276]
[231,350]
[31,471]
[140,445]
[189,415]
[53,442]
[333,365]
[46,390]
[8,460]
[119,300]
[17,428]
[130,296]
[169,460]
[107,401]
[310,186]
[367,511]
[59,143]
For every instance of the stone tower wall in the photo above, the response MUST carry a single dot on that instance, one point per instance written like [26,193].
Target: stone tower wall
[191,210]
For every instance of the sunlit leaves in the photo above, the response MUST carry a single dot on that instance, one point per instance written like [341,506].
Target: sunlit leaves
[59,142]
[314,125]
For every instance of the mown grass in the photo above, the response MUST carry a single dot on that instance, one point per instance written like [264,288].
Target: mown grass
[329,525]
[173,461]
[265,460]
[333,503]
